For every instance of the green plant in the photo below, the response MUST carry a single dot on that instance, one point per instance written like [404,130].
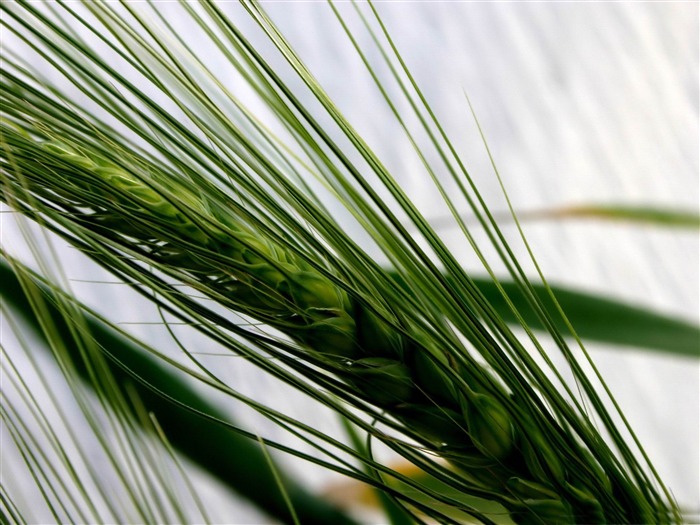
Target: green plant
[223,206]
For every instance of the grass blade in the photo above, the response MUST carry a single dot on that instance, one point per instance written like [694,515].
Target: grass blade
[595,317]
[643,215]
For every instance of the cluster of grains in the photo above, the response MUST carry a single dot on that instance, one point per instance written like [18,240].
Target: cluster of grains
[465,424]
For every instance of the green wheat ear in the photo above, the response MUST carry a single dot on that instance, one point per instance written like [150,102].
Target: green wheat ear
[436,365]
[435,398]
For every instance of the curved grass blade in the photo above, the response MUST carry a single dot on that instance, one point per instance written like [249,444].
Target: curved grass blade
[393,510]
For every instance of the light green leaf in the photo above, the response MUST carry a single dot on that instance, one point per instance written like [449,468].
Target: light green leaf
[651,215]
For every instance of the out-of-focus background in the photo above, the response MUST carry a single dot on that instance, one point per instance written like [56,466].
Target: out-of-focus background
[581,103]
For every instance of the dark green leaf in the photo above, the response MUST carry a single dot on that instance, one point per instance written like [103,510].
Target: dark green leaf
[235,460]
[599,318]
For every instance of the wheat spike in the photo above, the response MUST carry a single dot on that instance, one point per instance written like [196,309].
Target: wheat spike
[455,416]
